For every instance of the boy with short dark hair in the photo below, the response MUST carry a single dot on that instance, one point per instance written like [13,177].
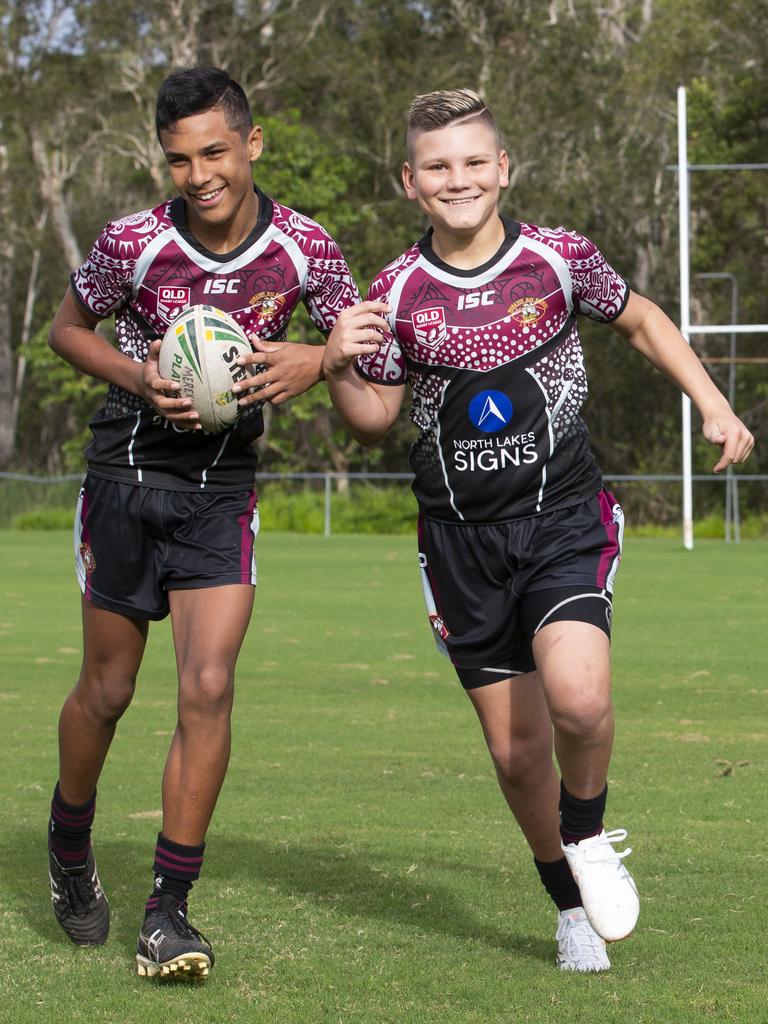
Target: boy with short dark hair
[167,515]
[519,542]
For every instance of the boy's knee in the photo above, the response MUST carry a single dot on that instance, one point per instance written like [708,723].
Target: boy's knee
[584,719]
[105,698]
[514,760]
[206,692]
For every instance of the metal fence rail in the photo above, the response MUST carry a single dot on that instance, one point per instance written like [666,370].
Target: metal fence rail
[328,479]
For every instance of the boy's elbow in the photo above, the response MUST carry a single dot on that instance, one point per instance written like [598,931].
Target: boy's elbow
[53,339]
[368,438]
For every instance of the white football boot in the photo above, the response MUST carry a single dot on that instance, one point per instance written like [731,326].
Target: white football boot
[608,891]
[579,947]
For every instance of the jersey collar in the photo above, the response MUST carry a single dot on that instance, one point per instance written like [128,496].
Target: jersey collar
[511,234]
[178,214]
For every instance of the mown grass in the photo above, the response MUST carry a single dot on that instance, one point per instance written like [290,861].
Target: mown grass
[361,866]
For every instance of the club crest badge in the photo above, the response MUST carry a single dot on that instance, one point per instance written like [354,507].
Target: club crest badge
[438,626]
[267,304]
[429,326]
[86,557]
[527,311]
[171,301]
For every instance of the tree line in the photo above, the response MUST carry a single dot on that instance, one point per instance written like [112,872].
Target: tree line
[584,93]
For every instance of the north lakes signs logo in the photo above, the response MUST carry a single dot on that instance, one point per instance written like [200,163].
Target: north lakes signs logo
[491,413]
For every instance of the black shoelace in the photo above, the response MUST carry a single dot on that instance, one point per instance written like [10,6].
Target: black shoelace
[182,926]
[79,889]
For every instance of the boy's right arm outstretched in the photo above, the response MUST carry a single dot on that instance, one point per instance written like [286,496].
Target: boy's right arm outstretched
[368,410]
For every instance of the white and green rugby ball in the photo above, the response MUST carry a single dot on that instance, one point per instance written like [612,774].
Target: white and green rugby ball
[199,350]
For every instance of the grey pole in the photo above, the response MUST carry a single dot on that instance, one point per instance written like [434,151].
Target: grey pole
[327,522]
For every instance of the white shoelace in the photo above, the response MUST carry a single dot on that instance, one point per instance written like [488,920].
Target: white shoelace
[599,851]
[582,942]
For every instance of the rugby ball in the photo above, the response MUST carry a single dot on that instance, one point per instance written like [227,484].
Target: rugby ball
[199,350]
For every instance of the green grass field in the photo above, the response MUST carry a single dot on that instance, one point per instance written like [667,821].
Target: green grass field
[362,866]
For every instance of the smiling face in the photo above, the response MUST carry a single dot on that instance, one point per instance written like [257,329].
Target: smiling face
[210,165]
[455,174]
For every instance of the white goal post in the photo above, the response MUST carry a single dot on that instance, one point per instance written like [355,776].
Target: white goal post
[684,170]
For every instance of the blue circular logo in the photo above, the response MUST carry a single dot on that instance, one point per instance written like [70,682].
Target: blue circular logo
[490,411]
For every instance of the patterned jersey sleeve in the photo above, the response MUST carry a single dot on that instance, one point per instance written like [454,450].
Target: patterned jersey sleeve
[103,282]
[387,366]
[330,285]
[599,292]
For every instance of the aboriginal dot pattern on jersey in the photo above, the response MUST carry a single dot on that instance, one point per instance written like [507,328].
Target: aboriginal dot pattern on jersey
[505,332]
[562,371]
[426,400]
[488,346]
[145,268]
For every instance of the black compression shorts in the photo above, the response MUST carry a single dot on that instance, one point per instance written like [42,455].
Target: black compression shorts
[133,544]
[489,588]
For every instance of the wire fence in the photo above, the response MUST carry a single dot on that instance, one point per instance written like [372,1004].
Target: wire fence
[330,502]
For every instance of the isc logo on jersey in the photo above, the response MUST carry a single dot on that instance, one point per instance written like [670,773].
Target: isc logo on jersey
[491,413]
[471,300]
[222,286]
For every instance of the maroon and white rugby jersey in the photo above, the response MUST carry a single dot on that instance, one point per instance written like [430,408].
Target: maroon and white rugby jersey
[145,269]
[497,370]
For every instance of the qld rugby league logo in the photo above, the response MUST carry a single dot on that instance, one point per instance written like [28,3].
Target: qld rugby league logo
[429,326]
[171,301]
[267,304]
[527,311]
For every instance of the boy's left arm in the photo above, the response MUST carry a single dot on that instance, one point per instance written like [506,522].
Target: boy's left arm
[290,369]
[649,330]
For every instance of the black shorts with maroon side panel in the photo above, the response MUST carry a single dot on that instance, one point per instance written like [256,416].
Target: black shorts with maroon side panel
[133,544]
[490,587]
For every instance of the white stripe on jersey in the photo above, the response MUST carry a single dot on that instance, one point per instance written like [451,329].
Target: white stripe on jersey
[130,443]
[463,280]
[563,394]
[210,266]
[558,264]
[440,451]
[219,453]
[393,296]
[298,258]
[540,496]
[147,257]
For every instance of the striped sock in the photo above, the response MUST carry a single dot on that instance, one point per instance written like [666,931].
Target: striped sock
[69,831]
[175,868]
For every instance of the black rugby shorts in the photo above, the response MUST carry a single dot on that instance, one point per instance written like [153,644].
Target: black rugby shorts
[133,544]
[489,588]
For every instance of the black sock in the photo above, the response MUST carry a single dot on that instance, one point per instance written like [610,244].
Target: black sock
[557,879]
[580,819]
[175,868]
[69,829]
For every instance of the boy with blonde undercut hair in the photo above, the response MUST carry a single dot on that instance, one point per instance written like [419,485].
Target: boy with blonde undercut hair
[519,542]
